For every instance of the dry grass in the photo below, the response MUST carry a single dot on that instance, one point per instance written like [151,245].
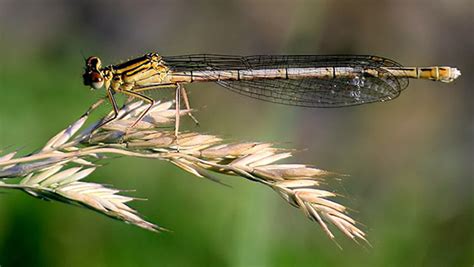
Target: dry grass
[56,171]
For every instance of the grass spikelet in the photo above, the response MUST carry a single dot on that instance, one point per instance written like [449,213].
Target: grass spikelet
[57,171]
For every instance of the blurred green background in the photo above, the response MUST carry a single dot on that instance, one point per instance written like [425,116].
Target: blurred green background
[410,159]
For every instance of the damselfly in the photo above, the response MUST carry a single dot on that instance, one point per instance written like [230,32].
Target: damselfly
[302,80]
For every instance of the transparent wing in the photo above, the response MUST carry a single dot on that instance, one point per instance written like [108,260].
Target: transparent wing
[318,92]
[309,92]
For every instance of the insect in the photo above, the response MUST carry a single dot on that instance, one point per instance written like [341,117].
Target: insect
[299,80]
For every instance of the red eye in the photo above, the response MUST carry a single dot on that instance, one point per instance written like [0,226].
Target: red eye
[93,74]
[97,81]
[94,79]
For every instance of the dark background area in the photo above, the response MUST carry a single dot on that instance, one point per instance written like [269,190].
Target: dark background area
[410,159]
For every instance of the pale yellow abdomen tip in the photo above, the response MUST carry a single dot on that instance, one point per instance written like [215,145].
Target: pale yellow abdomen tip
[448,74]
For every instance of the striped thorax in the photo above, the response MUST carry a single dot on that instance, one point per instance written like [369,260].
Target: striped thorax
[139,72]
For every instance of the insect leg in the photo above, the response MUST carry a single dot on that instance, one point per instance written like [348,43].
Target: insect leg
[143,97]
[184,95]
[110,96]
[177,106]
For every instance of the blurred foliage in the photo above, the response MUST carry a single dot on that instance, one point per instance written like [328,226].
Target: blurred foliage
[410,159]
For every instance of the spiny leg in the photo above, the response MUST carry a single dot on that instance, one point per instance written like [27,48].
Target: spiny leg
[114,105]
[143,97]
[184,95]
[177,107]
[177,102]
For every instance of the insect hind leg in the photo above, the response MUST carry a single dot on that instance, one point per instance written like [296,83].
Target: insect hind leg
[144,98]
[184,96]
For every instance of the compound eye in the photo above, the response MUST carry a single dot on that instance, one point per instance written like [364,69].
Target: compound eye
[93,79]
[97,81]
